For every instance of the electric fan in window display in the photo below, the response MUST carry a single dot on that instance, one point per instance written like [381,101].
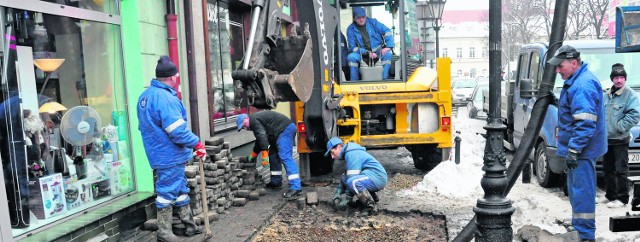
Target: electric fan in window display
[80,126]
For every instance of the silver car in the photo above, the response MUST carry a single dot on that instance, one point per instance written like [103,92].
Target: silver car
[461,90]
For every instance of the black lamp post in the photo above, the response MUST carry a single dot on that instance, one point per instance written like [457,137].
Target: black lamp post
[435,8]
[494,209]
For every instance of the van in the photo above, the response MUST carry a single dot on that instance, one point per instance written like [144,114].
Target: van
[600,55]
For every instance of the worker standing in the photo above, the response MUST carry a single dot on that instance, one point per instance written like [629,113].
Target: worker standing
[368,37]
[582,135]
[365,175]
[274,142]
[623,112]
[169,145]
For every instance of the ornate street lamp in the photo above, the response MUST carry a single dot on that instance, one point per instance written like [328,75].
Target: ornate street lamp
[435,8]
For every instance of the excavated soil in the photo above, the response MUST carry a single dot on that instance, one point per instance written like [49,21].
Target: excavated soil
[323,223]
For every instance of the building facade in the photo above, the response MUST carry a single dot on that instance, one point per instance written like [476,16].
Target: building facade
[464,38]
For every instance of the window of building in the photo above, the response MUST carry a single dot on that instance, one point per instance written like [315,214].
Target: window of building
[459,52]
[472,52]
[484,52]
[459,73]
[64,138]
[226,35]
[445,52]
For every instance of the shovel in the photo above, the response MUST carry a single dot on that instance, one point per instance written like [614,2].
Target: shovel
[203,193]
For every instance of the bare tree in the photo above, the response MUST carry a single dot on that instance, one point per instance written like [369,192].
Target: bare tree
[596,10]
[578,20]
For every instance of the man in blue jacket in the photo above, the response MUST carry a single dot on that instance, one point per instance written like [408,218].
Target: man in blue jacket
[623,112]
[582,135]
[169,144]
[369,38]
[365,175]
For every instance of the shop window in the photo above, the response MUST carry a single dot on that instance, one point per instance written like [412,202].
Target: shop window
[226,44]
[106,6]
[64,138]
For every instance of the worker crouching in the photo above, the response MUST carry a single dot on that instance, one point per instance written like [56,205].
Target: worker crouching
[364,176]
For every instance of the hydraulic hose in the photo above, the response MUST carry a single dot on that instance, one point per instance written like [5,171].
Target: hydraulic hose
[544,98]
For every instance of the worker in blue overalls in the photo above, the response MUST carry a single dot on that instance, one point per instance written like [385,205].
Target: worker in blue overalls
[582,135]
[369,38]
[169,145]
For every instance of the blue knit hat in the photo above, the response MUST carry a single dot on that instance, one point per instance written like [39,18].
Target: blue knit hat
[239,120]
[359,12]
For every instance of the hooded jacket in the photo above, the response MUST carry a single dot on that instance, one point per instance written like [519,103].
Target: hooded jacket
[623,112]
[167,139]
[581,119]
[359,162]
[379,34]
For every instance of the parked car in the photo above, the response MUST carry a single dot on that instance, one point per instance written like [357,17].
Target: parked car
[474,106]
[461,90]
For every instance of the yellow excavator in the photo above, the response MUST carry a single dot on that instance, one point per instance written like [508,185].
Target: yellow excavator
[411,108]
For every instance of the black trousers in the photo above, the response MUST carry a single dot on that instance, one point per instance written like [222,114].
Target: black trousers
[616,171]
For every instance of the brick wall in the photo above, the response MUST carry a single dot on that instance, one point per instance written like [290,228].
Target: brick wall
[114,226]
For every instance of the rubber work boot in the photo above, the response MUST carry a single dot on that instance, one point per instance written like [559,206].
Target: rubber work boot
[165,234]
[375,197]
[292,194]
[186,217]
[365,198]
[272,185]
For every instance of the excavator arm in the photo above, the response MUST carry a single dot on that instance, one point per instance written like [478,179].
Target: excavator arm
[297,67]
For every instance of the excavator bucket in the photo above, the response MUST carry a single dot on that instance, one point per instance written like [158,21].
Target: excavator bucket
[295,67]
[283,71]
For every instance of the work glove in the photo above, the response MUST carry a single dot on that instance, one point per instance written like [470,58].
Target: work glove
[572,160]
[200,151]
[252,156]
[343,203]
[554,99]
[337,196]
[265,158]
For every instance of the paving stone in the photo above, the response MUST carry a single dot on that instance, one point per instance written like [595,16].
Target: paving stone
[239,202]
[253,196]
[312,198]
[215,140]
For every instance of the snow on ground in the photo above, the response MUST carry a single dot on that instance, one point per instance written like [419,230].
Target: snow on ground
[535,205]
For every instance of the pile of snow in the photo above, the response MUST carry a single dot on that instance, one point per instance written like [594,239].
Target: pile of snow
[453,180]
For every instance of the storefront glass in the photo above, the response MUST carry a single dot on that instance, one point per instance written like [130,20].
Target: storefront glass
[64,136]
[226,35]
[106,6]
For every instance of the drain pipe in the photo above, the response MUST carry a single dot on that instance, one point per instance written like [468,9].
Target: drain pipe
[191,68]
[537,113]
[172,38]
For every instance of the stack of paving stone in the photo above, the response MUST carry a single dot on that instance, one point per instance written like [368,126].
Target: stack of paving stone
[227,184]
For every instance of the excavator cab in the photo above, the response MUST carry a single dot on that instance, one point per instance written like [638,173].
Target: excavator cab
[411,108]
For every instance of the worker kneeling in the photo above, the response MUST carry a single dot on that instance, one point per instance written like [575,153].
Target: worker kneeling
[365,175]
[369,38]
